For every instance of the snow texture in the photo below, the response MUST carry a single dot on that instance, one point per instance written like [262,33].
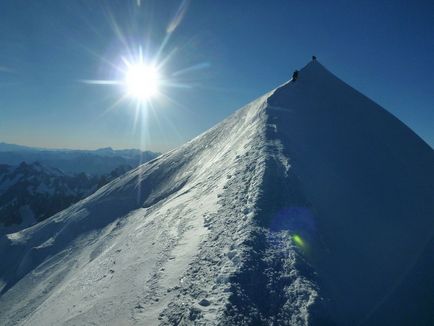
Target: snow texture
[309,206]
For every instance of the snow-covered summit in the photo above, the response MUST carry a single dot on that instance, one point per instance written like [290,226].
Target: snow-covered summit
[310,205]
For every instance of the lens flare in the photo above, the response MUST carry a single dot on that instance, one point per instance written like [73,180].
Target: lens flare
[298,240]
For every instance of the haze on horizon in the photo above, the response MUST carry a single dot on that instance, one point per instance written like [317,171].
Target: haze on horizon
[215,57]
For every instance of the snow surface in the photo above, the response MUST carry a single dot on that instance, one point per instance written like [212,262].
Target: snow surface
[309,206]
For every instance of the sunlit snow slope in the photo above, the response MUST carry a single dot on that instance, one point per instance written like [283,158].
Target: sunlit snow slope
[310,206]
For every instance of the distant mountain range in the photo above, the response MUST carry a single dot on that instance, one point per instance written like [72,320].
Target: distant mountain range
[30,193]
[36,183]
[93,162]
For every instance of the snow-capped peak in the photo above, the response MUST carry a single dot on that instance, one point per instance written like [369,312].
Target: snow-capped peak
[309,205]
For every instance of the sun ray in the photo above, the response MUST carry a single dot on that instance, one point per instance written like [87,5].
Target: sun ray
[100,82]
[114,105]
[142,74]
[196,67]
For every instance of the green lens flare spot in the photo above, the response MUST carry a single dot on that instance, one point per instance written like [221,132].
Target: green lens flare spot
[298,240]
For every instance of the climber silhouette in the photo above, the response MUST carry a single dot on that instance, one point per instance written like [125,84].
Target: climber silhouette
[295,75]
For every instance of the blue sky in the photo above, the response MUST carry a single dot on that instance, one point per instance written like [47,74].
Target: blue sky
[223,54]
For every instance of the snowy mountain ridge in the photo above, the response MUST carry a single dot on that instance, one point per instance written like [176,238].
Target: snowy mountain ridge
[299,209]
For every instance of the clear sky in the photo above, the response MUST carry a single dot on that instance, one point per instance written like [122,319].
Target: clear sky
[219,56]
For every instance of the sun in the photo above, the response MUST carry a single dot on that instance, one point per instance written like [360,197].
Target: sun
[142,81]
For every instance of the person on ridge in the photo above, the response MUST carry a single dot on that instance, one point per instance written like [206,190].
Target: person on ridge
[313,58]
[295,75]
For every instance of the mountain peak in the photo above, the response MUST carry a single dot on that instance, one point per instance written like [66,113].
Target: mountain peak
[310,204]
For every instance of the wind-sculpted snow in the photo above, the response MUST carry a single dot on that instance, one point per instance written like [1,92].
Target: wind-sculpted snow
[309,206]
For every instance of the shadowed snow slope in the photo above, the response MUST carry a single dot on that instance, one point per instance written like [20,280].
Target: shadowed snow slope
[310,206]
